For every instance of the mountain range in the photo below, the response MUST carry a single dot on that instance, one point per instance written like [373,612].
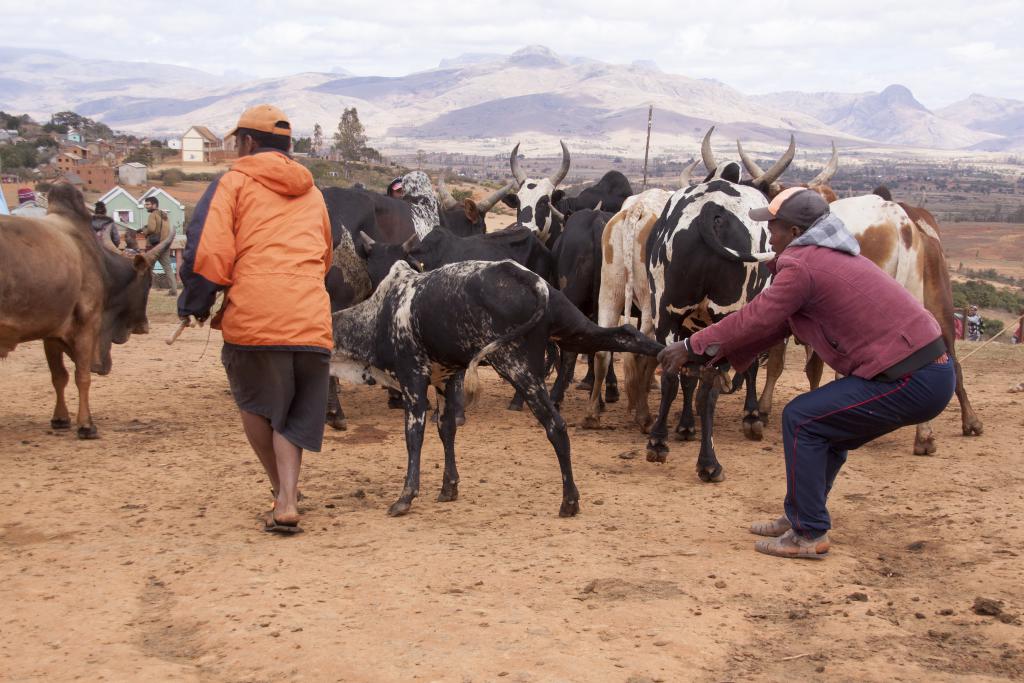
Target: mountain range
[481,102]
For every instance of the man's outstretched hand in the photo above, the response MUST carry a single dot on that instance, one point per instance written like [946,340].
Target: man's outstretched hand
[674,356]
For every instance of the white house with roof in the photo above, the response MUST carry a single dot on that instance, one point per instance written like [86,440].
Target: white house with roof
[132,173]
[198,143]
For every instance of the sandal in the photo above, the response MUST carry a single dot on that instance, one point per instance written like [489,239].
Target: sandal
[271,525]
[774,528]
[793,545]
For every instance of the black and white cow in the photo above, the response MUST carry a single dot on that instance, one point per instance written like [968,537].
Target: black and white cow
[607,194]
[705,260]
[467,217]
[532,198]
[422,329]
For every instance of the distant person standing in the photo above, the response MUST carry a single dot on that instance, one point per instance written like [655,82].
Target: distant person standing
[395,188]
[975,325]
[27,204]
[158,228]
[103,226]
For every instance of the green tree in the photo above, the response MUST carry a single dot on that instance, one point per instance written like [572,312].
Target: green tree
[350,140]
[302,145]
[143,155]
[317,144]
[20,155]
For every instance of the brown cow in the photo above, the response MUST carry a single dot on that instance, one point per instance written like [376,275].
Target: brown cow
[58,284]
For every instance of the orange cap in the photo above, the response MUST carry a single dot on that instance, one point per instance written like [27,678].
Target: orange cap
[265,118]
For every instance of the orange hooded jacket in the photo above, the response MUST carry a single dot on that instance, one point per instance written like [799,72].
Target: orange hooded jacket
[262,233]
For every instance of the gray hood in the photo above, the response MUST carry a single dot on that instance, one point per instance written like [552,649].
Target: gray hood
[829,232]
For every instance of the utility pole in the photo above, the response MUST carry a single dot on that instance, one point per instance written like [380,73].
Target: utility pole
[647,147]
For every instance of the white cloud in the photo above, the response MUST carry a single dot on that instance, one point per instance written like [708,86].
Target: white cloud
[941,49]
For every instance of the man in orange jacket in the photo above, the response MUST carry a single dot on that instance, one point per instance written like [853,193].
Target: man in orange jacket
[261,233]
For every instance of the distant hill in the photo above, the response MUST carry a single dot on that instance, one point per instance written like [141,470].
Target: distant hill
[486,101]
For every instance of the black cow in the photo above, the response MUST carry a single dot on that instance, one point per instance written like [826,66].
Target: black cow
[405,336]
[578,263]
[703,262]
[467,217]
[607,194]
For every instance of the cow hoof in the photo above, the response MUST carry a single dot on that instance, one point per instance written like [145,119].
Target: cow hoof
[460,420]
[518,407]
[972,428]
[711,475]
[337,422]
[570,508]
[657,452]
[399,508]
[60,423]
[591,422]
[686,434]
[88,432]
[611,394]
[924,447]
[584,386]
[753,428]
[448,495]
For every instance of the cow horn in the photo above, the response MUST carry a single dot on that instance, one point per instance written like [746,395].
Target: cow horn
[684,178]
[826,174]
[410,244]
[447,200]
[564,169]
[495,197]
[779,167]
[368,242]
[705,151]
[156,252]
[513,161]
[105,241]
[752,168]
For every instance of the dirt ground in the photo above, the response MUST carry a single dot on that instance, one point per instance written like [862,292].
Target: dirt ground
[140,556]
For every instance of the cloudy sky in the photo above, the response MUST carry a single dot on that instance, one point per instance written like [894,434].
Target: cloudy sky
[942,50]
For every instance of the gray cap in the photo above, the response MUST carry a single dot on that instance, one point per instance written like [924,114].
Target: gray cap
[796,205]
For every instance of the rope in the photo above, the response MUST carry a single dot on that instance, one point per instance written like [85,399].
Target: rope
[994,337]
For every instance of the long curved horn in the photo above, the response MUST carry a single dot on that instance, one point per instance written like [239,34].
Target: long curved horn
[558,214]
[487,204]
[447,200]
[513,161]
[779,167]
[705,151]
[826,174]
[156,252]
[564,169]
[105,241]
[684,178]
[752,168]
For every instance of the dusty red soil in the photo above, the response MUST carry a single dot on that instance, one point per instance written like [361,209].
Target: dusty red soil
[139,556]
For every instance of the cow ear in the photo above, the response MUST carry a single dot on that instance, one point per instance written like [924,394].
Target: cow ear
[140,264]
[366,242]
[471,210]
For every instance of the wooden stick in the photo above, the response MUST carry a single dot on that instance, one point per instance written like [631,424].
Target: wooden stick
[994,337]
[789,659]
[185,322]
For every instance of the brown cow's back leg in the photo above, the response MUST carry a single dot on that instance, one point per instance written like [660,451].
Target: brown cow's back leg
[83,356]
[970,422]
[592,420]
[776,364]
[59,376]
[814,367]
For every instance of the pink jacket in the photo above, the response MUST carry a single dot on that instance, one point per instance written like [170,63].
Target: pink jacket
[857,318]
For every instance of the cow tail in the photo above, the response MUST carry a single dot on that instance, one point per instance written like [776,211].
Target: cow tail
[471,384]
[707,233]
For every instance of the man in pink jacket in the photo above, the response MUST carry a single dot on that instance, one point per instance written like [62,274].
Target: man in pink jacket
[862,323]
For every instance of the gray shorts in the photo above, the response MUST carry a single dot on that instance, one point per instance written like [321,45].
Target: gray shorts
[289,388]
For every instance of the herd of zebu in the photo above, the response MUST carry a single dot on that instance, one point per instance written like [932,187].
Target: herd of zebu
[422,295]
